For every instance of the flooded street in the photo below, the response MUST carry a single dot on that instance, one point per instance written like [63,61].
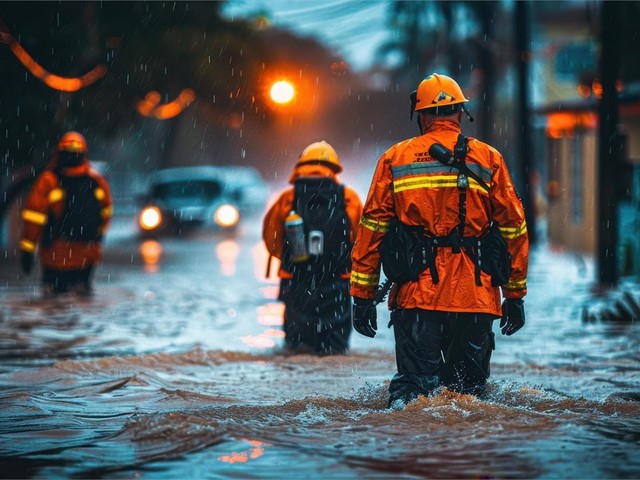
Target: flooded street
[174,370]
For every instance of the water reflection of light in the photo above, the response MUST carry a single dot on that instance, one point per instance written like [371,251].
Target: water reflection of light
[258,341]
[273,332]
[260,259]
[151,251]
[270,291]
[270,314]
[257,450]
[227,252]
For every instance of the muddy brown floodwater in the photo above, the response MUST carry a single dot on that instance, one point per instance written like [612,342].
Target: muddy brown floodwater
[174,370]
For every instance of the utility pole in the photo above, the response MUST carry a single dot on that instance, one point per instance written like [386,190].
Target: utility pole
[609,162]
[523,40]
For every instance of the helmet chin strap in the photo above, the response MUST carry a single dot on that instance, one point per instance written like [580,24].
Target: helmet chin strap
[466,112]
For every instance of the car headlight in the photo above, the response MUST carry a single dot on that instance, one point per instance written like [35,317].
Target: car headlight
[150,218]
[226,216]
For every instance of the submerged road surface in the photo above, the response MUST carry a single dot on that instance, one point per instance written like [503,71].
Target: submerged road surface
[173,369]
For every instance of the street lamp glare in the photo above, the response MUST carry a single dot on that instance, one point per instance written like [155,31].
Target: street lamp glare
[282,92]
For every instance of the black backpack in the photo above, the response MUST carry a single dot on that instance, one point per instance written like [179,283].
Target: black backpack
[81,218]
[321,204]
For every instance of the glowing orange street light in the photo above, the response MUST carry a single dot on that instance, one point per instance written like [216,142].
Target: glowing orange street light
[282,92]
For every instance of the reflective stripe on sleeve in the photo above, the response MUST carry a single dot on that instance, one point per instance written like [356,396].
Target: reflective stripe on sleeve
[514,232]
[106,212]
[516,284]
[368,280]
[27,246]
[32,216]
[374,225]
[99,193]
[55,195]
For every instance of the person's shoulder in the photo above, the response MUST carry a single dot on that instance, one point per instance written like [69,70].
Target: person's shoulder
[479,145]
[396,149]
[95,174]
[400,145]
[285,195]
[350,192]
[48,178]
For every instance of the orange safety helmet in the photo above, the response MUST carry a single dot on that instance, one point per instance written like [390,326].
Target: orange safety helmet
[320,152]
[72,142]
[437,91]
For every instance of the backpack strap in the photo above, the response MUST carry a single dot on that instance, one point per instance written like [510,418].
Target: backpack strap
[460,152]
[456,239]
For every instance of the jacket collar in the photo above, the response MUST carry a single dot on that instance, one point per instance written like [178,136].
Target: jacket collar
[440,125]
[312,170]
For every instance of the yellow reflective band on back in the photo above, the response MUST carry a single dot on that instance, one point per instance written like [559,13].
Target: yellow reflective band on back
[433,181]
[514,232]
[106,212]
[375,225]
[364,279]
[55,195]
[99,193]
[27,246]
[34,217]
[516,284]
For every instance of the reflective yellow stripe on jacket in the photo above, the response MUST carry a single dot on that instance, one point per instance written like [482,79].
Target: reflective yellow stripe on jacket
[27,246]
[32,216]
[374,225]
[55,195]
[514,232]
[367,280]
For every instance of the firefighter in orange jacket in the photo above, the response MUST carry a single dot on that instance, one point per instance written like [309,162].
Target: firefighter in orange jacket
[65,218]
[442,321]
[317,314]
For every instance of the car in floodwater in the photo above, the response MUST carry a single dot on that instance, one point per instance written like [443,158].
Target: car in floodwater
[183,199]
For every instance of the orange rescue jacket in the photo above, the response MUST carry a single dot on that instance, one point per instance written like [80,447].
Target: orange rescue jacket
[419,190]
[273,224]
[47,198]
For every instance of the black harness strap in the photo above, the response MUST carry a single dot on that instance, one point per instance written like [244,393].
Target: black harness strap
[456,238]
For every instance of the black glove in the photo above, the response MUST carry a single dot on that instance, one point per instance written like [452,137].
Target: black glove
[365,317]
[27,260]
[512,316]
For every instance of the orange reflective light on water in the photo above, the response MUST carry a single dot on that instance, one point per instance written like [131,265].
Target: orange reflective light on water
[272,332]
[258,341]
[257,450]
[227,252]
[151,252]
[270,314]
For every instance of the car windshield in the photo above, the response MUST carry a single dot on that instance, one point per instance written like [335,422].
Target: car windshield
[198,189]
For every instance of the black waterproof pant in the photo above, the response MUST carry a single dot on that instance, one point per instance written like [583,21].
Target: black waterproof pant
[435,349]
[63,281]
[317,321]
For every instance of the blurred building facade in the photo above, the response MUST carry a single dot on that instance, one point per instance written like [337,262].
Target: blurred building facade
[566,105]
